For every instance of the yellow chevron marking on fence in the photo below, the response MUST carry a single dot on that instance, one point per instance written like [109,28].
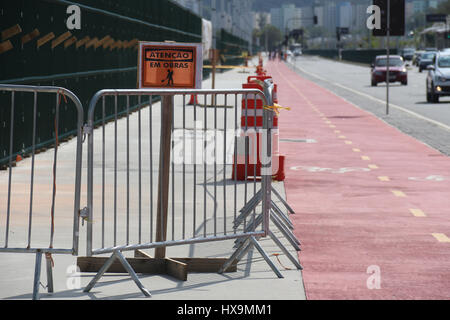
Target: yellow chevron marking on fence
[5,46]
[45,39]
[82,42]
[11,32]
[30,36]
[61,39]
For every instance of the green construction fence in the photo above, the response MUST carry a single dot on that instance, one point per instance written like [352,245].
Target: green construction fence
[83,69]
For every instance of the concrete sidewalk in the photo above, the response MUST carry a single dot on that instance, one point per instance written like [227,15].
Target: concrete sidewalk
[254,279]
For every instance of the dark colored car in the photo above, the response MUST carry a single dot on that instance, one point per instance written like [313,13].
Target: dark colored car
[397,70]
[438,79]
[426,59]
[416,58]
[408,54]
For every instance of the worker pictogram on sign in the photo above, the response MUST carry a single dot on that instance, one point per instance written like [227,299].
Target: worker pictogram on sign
[170,65]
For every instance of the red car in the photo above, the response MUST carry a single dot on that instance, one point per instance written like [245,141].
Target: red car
[397,70]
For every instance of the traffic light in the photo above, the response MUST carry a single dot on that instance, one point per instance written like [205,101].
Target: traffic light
[316,20]
[397,18]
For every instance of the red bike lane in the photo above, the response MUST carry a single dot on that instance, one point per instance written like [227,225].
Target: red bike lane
[372,204]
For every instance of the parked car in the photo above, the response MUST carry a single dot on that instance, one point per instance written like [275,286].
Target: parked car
[438,79]
[426,59]
[408,53]
[397,70]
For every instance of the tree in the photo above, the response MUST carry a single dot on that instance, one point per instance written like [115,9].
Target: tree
[273,35]
[443,7]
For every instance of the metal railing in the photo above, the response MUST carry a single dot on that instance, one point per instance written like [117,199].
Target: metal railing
[196,130]
[193,199]
[23,221]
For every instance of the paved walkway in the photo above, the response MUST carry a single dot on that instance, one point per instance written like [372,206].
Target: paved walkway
[372,203]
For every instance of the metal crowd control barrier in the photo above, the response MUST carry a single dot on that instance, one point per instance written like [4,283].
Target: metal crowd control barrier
[26,224]
[276,215]
[128,204]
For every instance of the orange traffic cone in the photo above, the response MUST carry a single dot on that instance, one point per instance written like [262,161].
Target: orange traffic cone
[193,100]
[19,158]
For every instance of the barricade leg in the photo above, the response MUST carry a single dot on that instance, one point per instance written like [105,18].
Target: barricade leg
[287,233]
[282,215]
[37,275]
[133,274]
[288,207]
[244,252]
[281,227]
[49,263]
[285,251]
[234,256]
[266,257]
[244,247]
[126,265]
[279,244]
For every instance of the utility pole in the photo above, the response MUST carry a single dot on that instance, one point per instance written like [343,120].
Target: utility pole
[214,22]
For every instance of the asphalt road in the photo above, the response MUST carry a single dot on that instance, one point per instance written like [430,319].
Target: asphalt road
[409,112]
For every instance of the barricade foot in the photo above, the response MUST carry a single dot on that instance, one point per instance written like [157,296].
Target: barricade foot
[234,256]
[127,267]
[133,274]
[266,257]
[243,248]
[285,251]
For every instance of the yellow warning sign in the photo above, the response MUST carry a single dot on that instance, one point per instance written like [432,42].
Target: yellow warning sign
[170,65]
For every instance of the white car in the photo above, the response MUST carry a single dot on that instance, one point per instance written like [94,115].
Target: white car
[298,52]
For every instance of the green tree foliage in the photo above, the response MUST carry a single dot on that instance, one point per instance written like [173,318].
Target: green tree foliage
[444,7]
[272,33]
